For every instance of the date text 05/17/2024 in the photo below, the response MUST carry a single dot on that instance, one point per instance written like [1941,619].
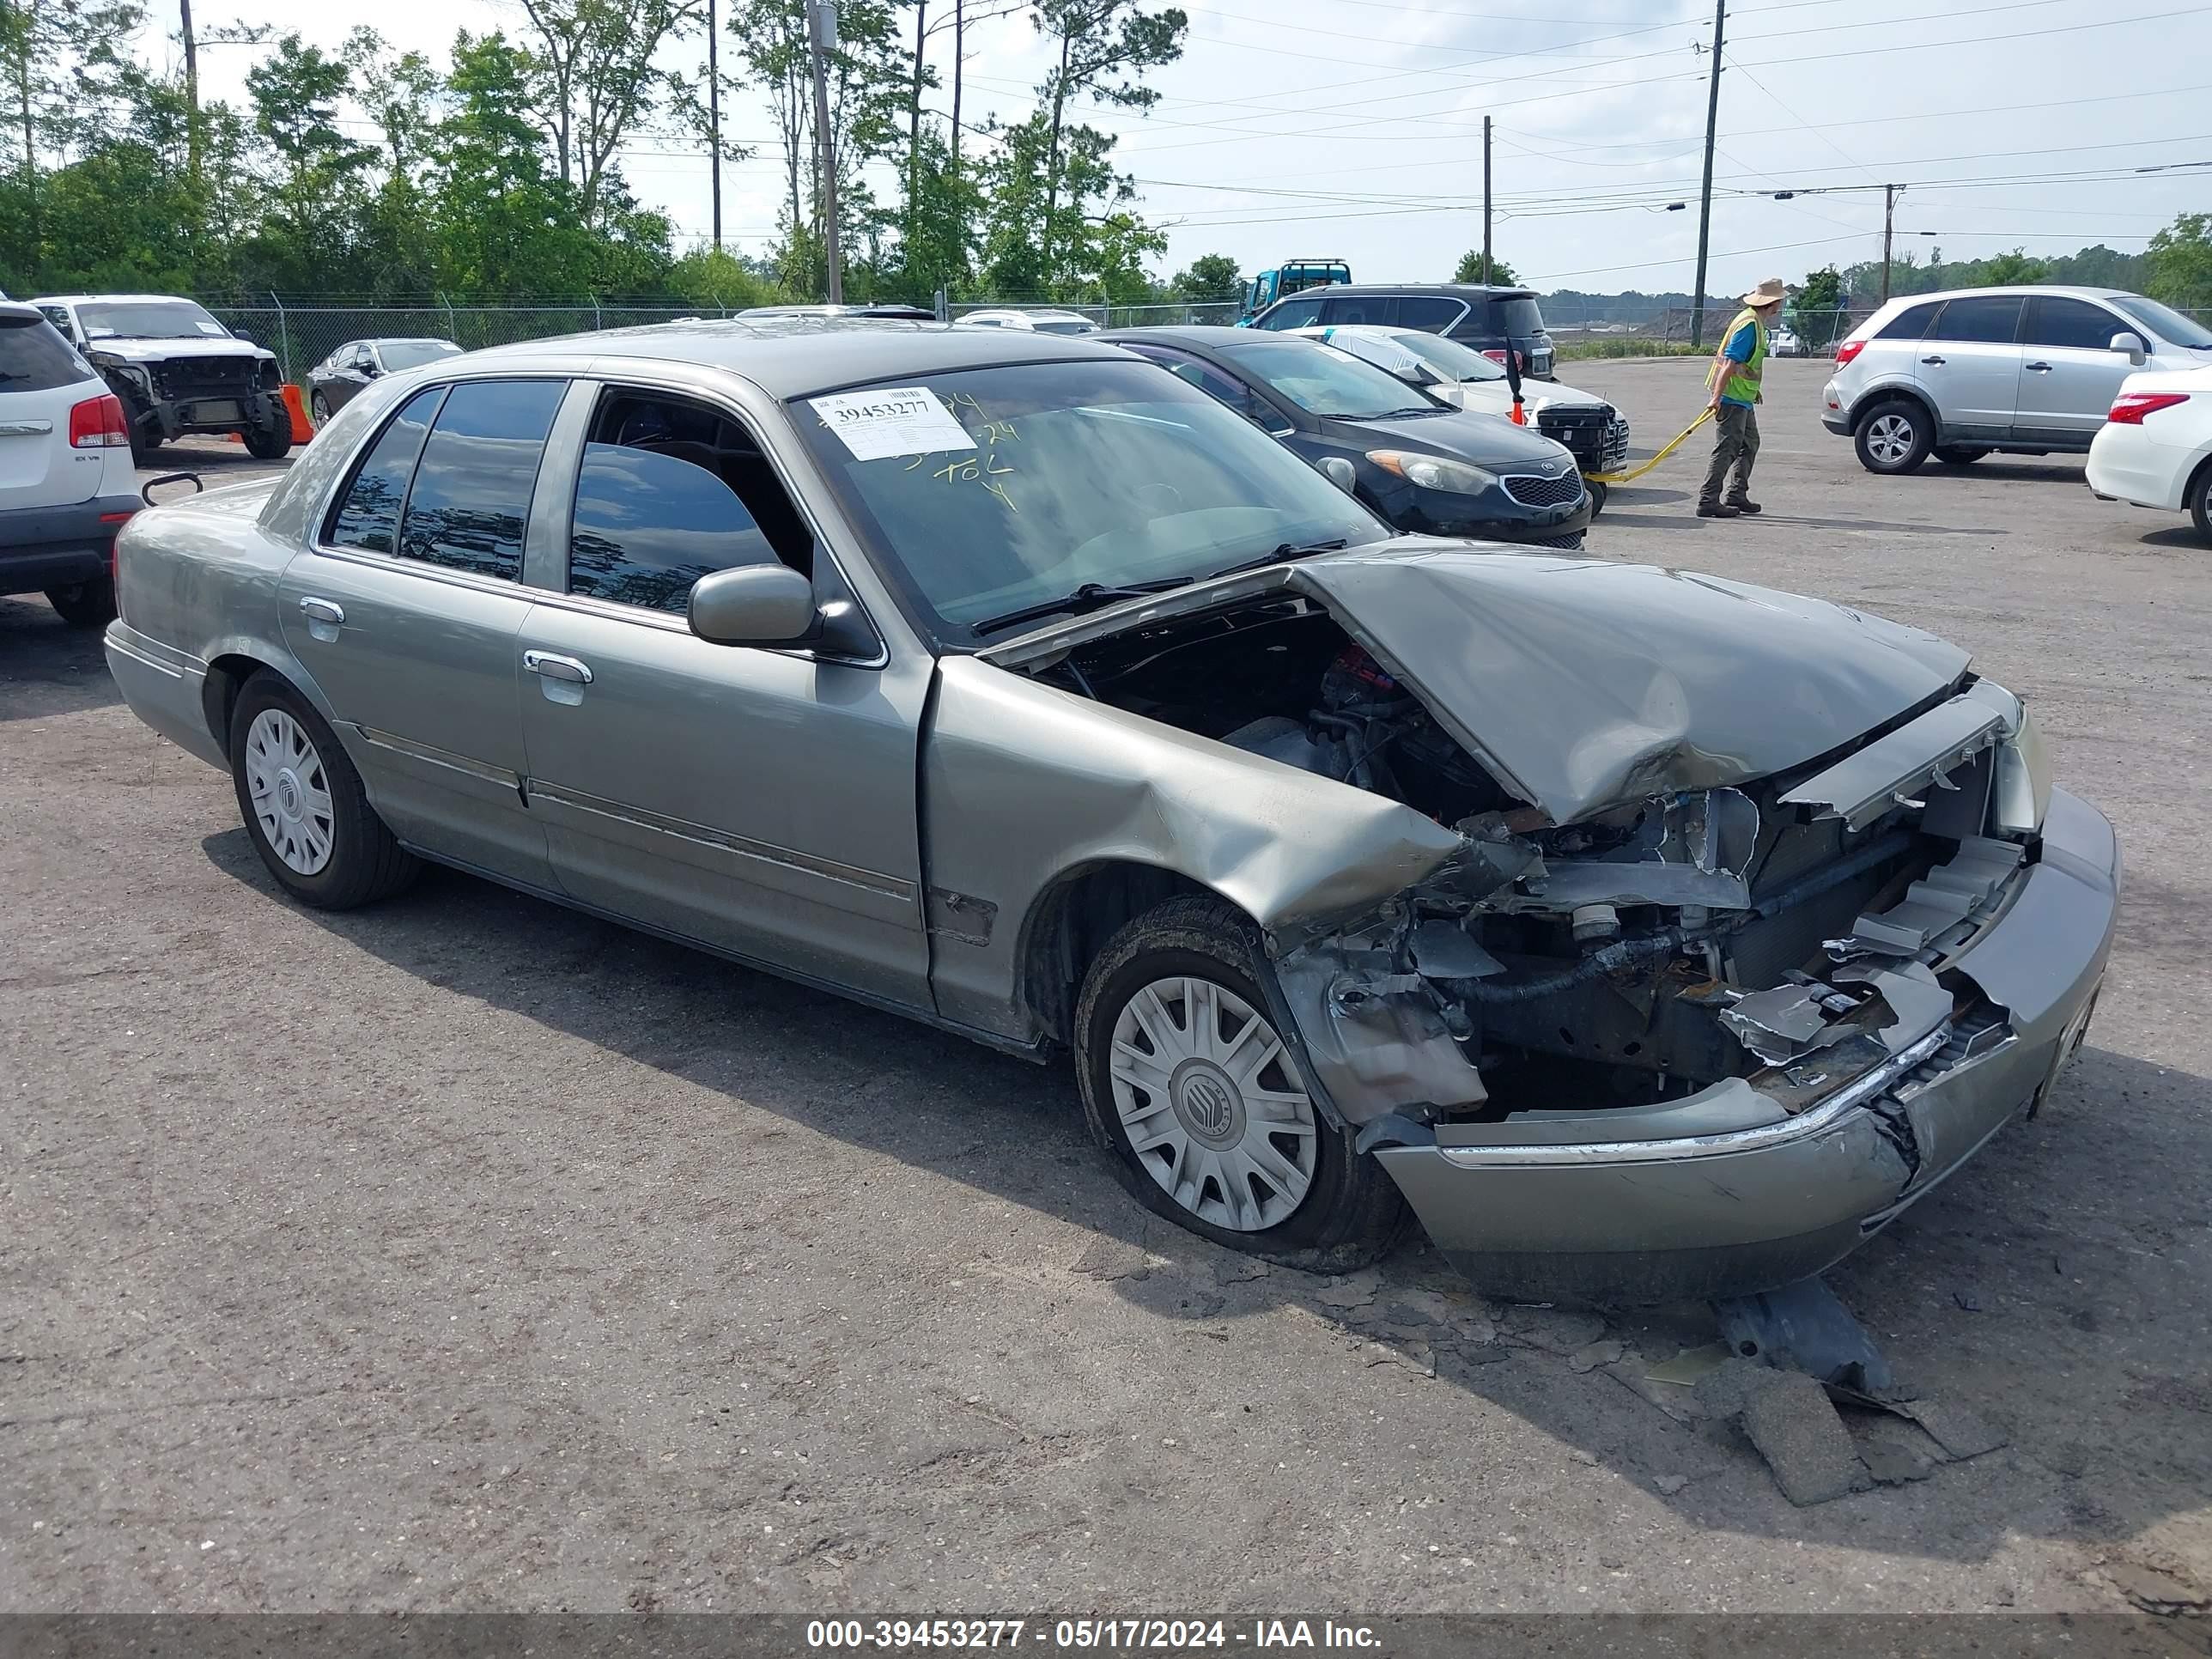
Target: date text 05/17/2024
[1132,1635]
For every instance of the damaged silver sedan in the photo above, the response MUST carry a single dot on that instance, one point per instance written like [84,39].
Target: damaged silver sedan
[1645,935]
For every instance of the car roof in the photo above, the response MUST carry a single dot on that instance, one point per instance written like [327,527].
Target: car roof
[21,308]
[129,298]
[2066,291]
[795,357]
[1197,334]
[1458,290]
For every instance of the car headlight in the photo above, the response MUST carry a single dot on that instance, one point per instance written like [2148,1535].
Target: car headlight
[1433,472]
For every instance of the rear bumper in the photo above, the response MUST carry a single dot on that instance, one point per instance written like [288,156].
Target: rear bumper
[1718,1211]
[2127,465]
[165,688]
[43,547]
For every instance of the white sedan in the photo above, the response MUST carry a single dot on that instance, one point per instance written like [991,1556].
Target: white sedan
[2155,447]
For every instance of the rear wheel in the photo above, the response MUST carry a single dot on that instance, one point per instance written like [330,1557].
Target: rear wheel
[319,409]
[2200,500]
[1191,1089]
[1895,436]
[272,439]
[304,806]
[1959,454]
[89,604]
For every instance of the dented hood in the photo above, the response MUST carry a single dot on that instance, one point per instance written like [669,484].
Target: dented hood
[1581,683]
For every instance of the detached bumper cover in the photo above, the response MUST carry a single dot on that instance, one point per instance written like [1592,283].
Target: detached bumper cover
[1725,1193]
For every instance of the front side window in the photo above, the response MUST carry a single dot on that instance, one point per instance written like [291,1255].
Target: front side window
[472,486]
[2166,322]
[1322,381]
[1066,474]
[1224,389]
[368,516]
[1989,319]
[148,319]
[2071,325]
[1292,313]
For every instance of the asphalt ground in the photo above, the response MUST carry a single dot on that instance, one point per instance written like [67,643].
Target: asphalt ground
[466,1254]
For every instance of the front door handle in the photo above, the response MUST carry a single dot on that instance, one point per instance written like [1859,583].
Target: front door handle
[2040,368]
[322,611]
[557,668]
[1938,362]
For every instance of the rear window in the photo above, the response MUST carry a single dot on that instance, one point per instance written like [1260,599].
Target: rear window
[33,356]
[1989,319]
[1519,316]
[1909,324]
[472,488]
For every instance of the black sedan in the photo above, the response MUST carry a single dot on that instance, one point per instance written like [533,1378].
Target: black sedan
[333,382]
[1423,465]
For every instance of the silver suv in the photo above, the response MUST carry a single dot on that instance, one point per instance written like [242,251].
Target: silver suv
[2026,371]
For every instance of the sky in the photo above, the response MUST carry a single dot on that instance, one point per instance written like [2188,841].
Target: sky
[1352,129]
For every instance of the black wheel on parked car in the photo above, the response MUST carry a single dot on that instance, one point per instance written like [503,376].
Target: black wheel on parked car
[1190,1088]
[272,441]
[145,434]
[1598,492]
[304,806]
[2200,500]
[1895,436]
[1959,454]
[319,409]
[88,604]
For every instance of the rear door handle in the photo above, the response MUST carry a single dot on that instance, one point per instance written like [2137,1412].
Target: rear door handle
[322,611]
[2040,368]
[557,668]
[1938,362]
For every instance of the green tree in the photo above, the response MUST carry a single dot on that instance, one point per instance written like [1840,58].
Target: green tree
[2179,263]
[2010,269]
[1211,277]
[599,79]
[317,195]
[1817,306]
[1470,269]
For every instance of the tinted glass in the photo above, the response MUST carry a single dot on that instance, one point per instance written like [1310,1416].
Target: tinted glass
[148,319]
[1072,326]
[2071,323]
[1428,312]
[1358,308]
[1992,320]
[1091,472]
[647,525]
[1518,316]
[1449,358]
[2166,322]
[368,517]
[1909,324]
[1292,313]
[33,356]
[1322,381]
[413,353]
[471,491]
[1222,388]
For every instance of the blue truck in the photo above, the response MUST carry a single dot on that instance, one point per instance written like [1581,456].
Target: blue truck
[1288,278]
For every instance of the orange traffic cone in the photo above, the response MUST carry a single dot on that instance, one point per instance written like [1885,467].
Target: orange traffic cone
[295,406]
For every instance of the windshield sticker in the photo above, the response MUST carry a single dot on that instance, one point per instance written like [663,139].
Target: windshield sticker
[212,328]
[878,426]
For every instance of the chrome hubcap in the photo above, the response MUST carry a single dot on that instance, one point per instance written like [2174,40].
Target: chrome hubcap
[1889,439]
[290,794]
[1207,1095]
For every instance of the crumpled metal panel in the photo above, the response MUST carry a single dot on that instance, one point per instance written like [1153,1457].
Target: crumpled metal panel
[1861,786]
[1374,1037]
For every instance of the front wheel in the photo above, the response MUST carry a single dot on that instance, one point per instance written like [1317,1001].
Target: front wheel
[271,440]
[1598,492]
[1895,437]
[88,604]
[304,806]
[1191,1090]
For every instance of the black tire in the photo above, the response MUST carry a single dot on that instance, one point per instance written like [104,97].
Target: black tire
[1959,454]
[2200,501]
[1350,1213]
[319,410]
[1895,436]
[271,441]
[1598,492]
[88,604]
[365,863]
[145,436]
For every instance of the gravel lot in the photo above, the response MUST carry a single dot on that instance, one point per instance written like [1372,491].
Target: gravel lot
[465,1252]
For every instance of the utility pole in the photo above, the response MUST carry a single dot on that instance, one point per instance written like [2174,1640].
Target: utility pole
[1888,227]
[715,121]
[821,38]
[1486,201]
[191,90]
[1705,205]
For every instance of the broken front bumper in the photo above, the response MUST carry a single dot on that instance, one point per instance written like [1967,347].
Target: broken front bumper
[1724,1193]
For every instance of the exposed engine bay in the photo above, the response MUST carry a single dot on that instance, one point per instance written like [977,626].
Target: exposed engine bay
[1792,931]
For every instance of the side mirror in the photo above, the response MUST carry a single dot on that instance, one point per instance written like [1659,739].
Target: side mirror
[245,335]
[2132,344]
[754,605]
[1338,472]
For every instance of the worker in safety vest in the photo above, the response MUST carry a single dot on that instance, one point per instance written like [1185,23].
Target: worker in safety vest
[1733,379]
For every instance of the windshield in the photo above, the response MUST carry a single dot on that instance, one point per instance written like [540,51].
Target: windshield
[2165,321]
[1322,381]
[1114,473]
[413,353]
[148,319]
[1067,326]
[1453,361]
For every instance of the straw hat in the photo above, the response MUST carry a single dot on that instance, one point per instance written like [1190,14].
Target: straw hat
[1768,293]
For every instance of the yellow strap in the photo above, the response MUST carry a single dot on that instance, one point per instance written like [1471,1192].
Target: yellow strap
[1678,441]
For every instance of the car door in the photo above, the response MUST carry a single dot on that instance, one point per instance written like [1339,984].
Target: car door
[1968,365]
[406,608]
[352,372]
[760,802]
[2068,372]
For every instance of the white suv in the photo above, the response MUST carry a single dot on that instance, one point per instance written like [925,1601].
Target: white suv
[66,479]
[2026,371]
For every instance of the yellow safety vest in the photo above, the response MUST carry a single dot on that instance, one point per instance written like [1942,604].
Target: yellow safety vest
[1741,385]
